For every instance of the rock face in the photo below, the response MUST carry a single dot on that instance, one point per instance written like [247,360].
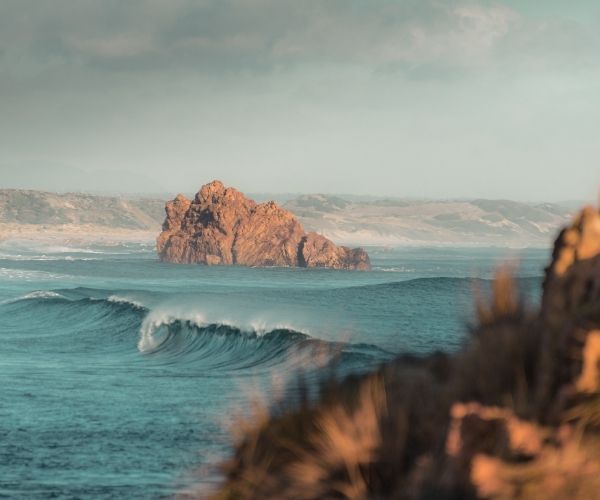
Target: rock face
[221,226]
[572,281]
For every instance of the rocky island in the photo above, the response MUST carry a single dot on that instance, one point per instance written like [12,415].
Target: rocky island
[222,227]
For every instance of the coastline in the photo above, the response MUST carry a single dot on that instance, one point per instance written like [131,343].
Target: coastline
[75,233]
[95,233]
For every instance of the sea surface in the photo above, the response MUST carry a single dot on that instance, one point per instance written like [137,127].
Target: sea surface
[120,376]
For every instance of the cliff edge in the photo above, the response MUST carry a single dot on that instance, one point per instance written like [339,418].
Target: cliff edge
[221,227]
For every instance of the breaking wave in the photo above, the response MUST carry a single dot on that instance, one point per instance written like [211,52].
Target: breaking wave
[168,337]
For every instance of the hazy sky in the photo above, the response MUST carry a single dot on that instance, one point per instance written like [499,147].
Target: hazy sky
[409,98]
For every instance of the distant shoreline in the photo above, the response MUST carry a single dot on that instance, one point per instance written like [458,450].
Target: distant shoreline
[394,223]
[75,233]
[90,233]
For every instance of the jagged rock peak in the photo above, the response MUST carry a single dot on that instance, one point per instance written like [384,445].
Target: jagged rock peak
[222,226]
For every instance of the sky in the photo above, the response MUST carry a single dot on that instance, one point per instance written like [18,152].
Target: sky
[408,98]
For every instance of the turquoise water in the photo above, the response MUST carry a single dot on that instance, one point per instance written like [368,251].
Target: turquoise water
[120,374]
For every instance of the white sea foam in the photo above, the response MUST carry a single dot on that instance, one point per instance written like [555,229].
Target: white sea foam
[43,257]
[28,275]
[65,249]
[38,294]
[394,269]
[16,249]
[159,318]
[125,300]
[42,294]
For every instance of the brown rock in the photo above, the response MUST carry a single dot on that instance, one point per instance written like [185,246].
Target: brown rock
[589,379]
[572,284]
[222,226]
[570,312]
[318,251]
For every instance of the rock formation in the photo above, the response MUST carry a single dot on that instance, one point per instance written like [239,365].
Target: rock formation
[514,414]
[222,226]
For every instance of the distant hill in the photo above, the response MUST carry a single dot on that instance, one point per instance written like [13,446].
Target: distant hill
[398,221]
[354,222]
[39,207]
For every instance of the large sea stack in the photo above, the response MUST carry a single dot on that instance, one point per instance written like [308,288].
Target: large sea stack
[221,226]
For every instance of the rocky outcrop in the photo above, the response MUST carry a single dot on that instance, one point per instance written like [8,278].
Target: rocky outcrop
[317,251]
[572,283]
[221,226]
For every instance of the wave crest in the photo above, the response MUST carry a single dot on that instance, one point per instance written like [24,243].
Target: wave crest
[118,299]
[156,324]
[181,336]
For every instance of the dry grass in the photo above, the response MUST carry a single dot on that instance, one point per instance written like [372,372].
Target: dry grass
[514,414]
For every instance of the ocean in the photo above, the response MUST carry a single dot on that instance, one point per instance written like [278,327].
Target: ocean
[121,375]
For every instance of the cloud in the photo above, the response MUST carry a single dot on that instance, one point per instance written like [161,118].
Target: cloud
[232,36]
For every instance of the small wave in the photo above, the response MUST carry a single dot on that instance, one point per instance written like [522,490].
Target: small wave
[80,296]
[35,295]
[28,275]
[117,299]
[416,282]
[394,269]
[42,294]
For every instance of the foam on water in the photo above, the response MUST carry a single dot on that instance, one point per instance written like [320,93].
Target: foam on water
[29,275]
[393,269]
[157,319]
[117,299]
[28,250]
[42,294]
[37,295]
[43,257]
